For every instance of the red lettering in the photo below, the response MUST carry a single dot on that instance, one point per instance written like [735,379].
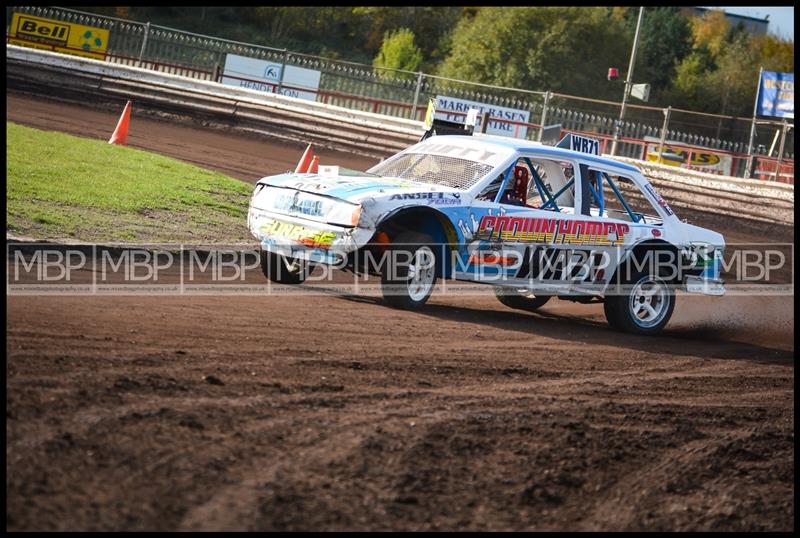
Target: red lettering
[487,223]
[517,224]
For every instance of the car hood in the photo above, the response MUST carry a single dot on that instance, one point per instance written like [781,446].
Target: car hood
[353,189]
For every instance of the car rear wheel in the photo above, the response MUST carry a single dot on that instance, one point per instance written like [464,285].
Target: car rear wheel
[284,270]
[520,299]
[644,307]
[409,271]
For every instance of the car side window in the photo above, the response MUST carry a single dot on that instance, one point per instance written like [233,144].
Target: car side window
[551,186]
[615,196]
[535,182]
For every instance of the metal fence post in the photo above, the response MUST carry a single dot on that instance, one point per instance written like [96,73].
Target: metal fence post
[544,115]
[416,95]
[144,43]
[485,122]
[748,171]
[780,152]
[664,127]
[220,67]
[283,70]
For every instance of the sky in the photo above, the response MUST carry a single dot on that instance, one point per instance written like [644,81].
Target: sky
[781,19]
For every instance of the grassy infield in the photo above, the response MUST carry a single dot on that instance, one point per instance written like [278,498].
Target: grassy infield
[65,187]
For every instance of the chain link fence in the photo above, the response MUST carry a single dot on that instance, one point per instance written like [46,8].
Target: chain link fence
[405,94]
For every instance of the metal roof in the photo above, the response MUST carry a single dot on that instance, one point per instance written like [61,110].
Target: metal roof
[518,144]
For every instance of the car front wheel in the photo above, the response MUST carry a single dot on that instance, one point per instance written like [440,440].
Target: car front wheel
[409,271]
[284,270]
[644,307]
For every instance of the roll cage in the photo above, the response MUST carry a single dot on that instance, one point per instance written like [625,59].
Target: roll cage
[592,182]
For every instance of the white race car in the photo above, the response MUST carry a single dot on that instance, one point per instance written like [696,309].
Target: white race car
[534,221]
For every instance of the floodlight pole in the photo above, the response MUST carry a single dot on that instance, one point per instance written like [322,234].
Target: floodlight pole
[628,82]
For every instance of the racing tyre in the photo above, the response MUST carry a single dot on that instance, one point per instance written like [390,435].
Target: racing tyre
[644,307]
[284,270]
[520,299]
[410,270]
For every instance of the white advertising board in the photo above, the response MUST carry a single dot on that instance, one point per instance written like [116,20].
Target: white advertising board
[445,104]
[266,76]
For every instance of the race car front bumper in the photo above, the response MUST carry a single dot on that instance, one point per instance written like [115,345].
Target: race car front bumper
[295,237]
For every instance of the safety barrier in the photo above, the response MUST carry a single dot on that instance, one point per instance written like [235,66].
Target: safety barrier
[286,117]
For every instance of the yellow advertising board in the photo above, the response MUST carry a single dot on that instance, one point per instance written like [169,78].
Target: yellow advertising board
[702,159]
[58,36]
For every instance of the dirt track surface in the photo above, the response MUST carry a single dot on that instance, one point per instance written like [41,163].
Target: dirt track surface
[335,412]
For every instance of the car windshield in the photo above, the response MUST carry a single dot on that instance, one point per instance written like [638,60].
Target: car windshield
[433,169]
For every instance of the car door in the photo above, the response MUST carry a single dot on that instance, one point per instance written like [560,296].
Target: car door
[614,216]
[518,220]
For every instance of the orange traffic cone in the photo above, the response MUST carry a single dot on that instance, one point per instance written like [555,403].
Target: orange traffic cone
[305,160]
[314,167]
[120,135]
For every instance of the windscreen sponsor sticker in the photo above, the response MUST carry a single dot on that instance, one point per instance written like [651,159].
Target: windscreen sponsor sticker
[489,155]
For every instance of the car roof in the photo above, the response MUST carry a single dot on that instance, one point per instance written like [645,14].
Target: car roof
[519,145]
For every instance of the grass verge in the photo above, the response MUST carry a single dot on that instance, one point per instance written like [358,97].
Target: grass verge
[65,187]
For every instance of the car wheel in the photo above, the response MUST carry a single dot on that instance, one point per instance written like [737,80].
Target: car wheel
[284,270]
[520,299]
[644,307]
[409,271]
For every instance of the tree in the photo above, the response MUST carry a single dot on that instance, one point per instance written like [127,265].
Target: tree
[540,48]
[398,51]
[721,73]
[776,54]
[711,30]
[665,40]
[430,26]
[734,79]
[689,87]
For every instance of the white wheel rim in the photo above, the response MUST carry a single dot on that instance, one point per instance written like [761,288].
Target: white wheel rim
[421,274]
[649,301]
[296,266]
